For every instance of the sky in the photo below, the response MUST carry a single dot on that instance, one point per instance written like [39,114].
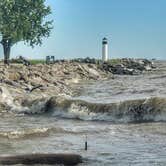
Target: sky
[134,28]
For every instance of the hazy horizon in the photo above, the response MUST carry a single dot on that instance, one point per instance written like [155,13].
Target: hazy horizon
[135,29]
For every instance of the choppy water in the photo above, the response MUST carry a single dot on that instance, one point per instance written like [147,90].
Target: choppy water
[113,139]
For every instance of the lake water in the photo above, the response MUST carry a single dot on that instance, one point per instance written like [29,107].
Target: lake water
[118,139]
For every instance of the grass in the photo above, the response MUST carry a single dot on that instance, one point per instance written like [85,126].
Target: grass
[115,61]
[32,61]
[42,61]
[37,61]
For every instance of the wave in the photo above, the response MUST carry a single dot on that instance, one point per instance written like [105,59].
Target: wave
[141,110]
[151,109]
[9,103]
[158,77]
[32,132]
[40,132]
[27,133]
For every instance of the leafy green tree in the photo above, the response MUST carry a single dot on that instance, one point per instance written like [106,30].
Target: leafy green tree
[23,20]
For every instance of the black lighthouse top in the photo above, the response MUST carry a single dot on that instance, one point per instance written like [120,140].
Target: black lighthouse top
[105,41]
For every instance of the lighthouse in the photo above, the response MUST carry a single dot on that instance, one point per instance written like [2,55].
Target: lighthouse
[105,50]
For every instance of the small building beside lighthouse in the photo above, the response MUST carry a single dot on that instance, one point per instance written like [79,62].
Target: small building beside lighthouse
[105,50]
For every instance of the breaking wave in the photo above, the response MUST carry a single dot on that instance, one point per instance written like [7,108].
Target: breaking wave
[9,103]
[141,110]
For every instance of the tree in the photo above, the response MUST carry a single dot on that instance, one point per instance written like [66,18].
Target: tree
[23,20]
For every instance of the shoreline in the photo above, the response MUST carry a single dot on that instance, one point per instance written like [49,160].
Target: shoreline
[25,88]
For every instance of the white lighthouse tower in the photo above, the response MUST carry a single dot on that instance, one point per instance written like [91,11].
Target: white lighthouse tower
[105,50]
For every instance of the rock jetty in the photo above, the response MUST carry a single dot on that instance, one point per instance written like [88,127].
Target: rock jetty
[129,66]
[121,66]
[29,86]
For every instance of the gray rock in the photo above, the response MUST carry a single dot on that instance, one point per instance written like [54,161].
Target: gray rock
[128,66]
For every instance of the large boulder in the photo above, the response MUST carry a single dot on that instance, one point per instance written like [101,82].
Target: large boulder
[14,76]
[127,66]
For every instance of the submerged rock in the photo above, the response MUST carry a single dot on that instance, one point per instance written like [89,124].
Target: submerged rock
[29,159]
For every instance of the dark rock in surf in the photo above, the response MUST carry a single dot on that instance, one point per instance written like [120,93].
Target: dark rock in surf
[51,159]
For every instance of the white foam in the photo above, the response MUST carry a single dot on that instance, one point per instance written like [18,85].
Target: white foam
[127,111]
[14,106]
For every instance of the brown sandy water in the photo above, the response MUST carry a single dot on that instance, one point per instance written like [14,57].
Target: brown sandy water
[111,140]
[108,144]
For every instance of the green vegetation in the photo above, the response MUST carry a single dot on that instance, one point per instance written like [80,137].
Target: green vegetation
[23,20]
[32,61]
[114,61]
[79,60]
[37,61]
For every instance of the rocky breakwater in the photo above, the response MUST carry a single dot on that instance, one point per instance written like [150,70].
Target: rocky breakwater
[128,66]
[29,88]
[125,66]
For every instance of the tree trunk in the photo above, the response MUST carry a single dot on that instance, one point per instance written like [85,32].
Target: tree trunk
[6,49]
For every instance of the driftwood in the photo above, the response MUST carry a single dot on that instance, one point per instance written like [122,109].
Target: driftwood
[34,88]
[50,159]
